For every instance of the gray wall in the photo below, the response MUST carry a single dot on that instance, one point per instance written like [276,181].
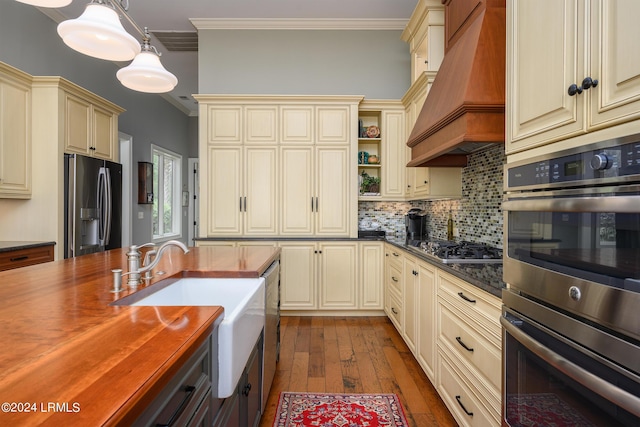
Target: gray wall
[375,64]
[29,41]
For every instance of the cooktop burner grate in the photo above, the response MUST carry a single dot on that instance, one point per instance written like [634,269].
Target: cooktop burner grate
[462,252]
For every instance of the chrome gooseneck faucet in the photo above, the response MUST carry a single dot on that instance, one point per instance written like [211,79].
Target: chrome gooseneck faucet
[135,271]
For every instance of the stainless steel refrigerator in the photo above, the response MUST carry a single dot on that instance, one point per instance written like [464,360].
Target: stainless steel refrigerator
[92,205]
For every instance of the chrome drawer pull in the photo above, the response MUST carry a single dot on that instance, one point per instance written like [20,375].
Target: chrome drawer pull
[463,344]
[466,298]
[463,408]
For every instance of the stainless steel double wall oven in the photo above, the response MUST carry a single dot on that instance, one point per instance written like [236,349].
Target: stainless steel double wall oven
[571,315]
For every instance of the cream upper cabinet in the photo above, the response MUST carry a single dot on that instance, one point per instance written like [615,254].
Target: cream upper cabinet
[554,49]
[297,190]
[90,124]
[15,133]
[243,191]
[297,178]
[333,191]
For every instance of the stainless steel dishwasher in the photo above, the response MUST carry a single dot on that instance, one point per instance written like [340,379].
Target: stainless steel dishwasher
[271,342]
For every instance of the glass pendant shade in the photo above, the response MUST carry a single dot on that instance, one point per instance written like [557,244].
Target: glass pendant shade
[99,33]
[146,74]
[46,3]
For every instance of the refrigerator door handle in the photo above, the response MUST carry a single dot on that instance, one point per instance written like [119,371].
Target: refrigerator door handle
[104,205]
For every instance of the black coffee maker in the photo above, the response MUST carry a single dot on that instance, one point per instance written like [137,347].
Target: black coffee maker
[416,225]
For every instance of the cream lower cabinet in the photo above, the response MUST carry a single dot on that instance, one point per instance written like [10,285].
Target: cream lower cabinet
[319,275]
[371,283]
[419,310]
[314,191]
[15,133]
[589,39]
[468,375]
[242,197]
[393,286]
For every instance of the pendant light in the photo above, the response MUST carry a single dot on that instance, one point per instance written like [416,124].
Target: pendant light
[146,73]
[99,33]
[46,3]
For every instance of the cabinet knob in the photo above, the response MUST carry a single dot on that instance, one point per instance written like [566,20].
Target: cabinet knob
[574,89]
[588,83]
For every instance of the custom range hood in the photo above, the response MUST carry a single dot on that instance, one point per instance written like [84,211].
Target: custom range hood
[464,109]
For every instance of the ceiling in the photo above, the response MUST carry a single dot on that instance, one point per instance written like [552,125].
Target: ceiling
[171,16]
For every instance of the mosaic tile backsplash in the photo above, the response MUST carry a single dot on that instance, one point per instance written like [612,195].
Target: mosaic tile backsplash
[477,216]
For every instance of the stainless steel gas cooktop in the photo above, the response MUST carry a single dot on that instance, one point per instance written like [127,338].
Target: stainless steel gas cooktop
[463,252]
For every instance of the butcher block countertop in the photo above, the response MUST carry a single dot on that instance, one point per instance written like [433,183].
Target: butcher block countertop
[69,357]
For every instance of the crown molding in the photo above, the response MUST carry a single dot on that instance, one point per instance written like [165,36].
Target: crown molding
[298,24]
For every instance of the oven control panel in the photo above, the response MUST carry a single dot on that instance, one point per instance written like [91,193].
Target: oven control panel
[582,168]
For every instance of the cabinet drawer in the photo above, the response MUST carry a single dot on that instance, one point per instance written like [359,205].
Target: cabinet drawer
[394,257]
[25,257]
[482,308]
[459,336]
[460,397]
[394,279]
[395,309]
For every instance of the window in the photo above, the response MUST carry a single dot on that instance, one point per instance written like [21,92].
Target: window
[167,190]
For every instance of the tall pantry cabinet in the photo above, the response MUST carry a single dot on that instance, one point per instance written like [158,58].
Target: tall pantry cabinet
[278,166]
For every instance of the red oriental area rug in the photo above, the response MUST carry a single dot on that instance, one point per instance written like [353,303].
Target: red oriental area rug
[339,410]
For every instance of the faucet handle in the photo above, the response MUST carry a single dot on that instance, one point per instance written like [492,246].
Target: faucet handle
[144,245]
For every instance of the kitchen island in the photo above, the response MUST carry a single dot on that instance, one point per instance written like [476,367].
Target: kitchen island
[71,357]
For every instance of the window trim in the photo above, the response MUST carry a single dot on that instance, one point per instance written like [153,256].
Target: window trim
[177,189]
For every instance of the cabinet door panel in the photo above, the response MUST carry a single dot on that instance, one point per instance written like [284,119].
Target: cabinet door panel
[224,125]
[426,353]
[615,62]
[104,136]
[338,275]
[225,175]
[15,139]
[334,126]
[261,124]
[332,210]
[77,127]
[409,301]
[545,48]
[394,155]
[297,125]
[371,275]
[296,183]
[297,276]
[260,192]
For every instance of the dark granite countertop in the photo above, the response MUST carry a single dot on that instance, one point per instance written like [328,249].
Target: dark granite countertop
[6,246]
[487,277]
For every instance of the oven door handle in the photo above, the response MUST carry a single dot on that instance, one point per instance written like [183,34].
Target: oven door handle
[617,204]
[614,394]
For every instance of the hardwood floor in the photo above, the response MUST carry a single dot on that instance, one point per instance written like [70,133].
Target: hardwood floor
[353,355]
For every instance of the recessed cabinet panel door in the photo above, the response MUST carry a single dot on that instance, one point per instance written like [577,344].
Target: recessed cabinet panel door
[297,125]
[338,275]
[103,133]
[427,319]
[545,51]
[409,303]
[615,62]
[224,126]
[260,206]
[225,174]
[393,154]
[333,125]
[261,124]
[77,127]
[15,139]
[297,275]
[296,183]
[332,205]
[371,275]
